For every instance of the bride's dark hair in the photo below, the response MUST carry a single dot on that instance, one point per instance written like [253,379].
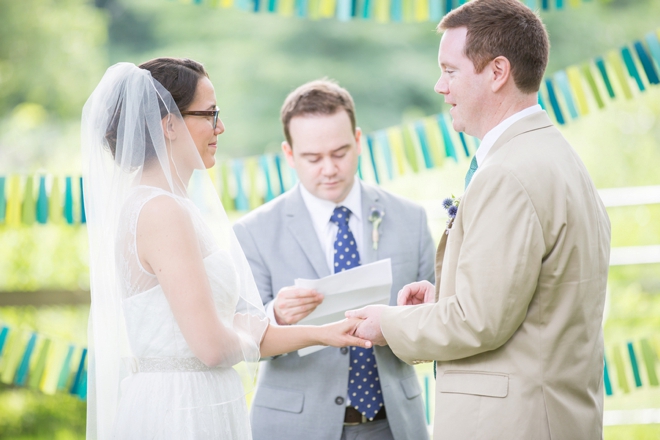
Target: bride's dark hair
[180,77]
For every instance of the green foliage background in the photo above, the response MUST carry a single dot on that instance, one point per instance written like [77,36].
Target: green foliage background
[53,53]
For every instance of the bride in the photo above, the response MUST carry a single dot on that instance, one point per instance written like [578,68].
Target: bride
[176,322]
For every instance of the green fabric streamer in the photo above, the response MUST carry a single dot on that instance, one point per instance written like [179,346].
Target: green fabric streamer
[3,201]
[650,359]
[39,366]
[409,148]
[586,71]
[28,210]
[620,370]
[225,197]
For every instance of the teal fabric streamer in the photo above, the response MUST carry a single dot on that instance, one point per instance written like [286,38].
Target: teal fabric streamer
[435,10]
[396,10]
[462,2]
[366,9]
[3,338]
[560,4]
[545,4]
[82,388]
[64,372]
[654,46]
[21,374]
[423,143]
[360,167]
[540,100]
[554,103]
[449,5]
[42,202]
[77,380]
[632,70]
[606,378]
[3,200]
[344,12]
[562,82]
[83,217]
[600,64]
[450,151]
[464,143]
[68,202]
[532,4]
[241,202]
[633,363]
[272,5]
[384,143]
[647,64]
[256,6]
[263,161]
[372,155]
[278,167]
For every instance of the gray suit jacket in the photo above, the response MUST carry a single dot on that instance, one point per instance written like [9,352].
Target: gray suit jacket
[303,397]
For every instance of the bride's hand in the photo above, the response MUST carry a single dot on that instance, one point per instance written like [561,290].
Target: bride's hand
[340,334]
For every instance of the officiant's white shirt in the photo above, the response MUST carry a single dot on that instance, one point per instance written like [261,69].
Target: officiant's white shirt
[494,134]
[320,211]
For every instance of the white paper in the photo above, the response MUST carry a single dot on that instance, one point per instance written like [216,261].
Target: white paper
[347,290]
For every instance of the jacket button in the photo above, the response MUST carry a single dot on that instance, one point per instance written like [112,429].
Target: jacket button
[339,400]
[344,350]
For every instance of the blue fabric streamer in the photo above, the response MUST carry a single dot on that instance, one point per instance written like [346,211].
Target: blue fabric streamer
[42,202]
[450,151]
[464,142]
[83,217]
[633,364]
[360,167]
[541,101]
[423,143]
[606,378]
[21,374]
[632,70]
[396,10]
[532,4]
[654,46]
[3,338]
[241,202]
[278,167]
[644,58]
[263,161]
[301,8]
[554,103]
[384,143]
[562,82]
[256,5]
[77,380]
[372,155]
[600,64]
[68,202]
[435,10]
[3,200]
[545,4]
[449,5]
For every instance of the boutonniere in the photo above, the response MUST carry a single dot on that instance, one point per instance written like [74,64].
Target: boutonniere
[451,206]
[375,217]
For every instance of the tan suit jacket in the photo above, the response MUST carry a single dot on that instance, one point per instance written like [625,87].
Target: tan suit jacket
[520,279]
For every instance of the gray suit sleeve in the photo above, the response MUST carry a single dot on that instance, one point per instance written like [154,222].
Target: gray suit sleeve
[426,251]
[259,269]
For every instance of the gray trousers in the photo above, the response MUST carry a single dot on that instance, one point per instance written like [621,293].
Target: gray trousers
[378,430]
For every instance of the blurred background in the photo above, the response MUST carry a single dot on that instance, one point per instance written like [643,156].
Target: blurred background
[54,52]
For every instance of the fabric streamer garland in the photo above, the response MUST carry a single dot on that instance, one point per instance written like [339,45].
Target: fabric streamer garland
[246,183]
[37,361]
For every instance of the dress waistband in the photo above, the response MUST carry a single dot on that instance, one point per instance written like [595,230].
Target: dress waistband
[166,365]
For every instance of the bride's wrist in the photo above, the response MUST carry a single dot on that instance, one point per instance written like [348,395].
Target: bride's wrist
[320,335]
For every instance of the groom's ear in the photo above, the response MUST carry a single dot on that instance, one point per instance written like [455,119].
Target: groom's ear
[288,153]
[500,72]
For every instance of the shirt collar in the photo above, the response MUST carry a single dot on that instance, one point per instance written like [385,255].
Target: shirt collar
[320,210]
[494,134]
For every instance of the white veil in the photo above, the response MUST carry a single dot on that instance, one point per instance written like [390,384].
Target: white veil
[126,113]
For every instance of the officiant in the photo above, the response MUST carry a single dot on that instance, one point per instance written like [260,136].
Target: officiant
[330,222]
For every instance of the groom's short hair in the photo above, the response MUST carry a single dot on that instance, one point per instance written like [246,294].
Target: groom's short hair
[503,28]
[318,97]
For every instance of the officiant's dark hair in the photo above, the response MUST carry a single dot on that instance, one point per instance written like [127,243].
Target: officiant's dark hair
[180,77]
[505,28]
[319,97]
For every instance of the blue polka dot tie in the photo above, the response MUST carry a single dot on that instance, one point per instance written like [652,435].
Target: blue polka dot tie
[363,382]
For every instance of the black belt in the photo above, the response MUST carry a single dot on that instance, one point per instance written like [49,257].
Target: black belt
[355,417]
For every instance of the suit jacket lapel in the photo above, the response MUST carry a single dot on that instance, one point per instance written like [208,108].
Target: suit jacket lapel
[370,200]
[300,225]
[439,258]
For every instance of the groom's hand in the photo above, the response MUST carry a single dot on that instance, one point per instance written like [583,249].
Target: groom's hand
[369,328]
[421,292]
[294,303]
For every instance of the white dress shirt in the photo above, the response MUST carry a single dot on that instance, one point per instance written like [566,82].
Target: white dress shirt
[494,134]
[320,211]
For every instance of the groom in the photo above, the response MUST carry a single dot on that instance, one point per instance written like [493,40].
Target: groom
[515,319]
[322,226]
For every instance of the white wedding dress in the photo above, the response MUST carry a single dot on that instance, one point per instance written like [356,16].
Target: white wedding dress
[169,393]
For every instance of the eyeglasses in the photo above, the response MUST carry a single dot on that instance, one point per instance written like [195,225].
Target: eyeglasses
[205,113]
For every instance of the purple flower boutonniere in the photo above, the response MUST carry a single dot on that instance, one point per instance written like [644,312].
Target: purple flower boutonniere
[375,217]
[451,206]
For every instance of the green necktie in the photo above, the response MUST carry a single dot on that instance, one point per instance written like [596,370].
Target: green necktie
[471,171]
